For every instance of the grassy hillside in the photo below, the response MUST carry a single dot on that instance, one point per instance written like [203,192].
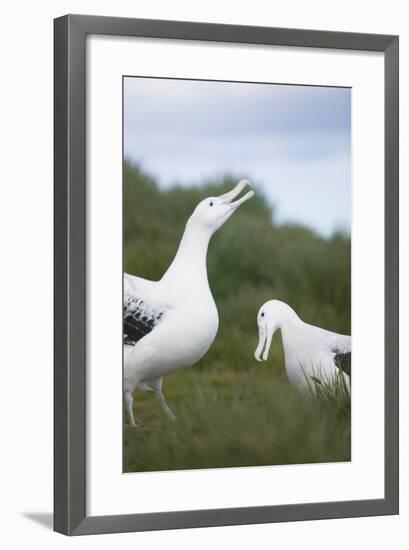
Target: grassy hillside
[231,410]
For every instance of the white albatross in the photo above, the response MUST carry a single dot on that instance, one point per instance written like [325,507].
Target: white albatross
[311,354]
[171,323]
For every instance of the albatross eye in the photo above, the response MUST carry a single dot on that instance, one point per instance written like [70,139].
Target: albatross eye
[211,203]
[262,313]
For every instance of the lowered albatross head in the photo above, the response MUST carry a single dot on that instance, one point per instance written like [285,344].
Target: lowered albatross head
[213,212]
[271,316]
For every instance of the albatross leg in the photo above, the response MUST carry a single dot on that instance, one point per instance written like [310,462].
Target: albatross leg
[165,407]
[129,407]
[156,386]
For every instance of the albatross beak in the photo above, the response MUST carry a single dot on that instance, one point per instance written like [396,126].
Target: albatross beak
[262,333]
[246,197]
[227,198]
[264,342]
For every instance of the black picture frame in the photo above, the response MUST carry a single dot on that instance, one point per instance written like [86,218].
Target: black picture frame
[70,34]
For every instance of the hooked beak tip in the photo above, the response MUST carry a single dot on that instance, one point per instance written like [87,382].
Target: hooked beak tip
[245,183]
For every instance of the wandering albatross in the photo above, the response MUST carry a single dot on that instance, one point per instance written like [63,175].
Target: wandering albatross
[311,354]
[171,323]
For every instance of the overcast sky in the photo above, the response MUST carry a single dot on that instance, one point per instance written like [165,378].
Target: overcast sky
[293,141]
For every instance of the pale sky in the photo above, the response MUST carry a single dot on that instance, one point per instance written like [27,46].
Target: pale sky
[293,141]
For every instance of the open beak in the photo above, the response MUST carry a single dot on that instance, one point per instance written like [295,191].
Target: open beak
[228,198]
[265,337]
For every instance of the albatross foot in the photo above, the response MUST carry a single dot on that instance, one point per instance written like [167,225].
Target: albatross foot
[137,422]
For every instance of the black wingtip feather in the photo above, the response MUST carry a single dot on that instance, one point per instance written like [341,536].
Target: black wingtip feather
[138,320]
[343,362]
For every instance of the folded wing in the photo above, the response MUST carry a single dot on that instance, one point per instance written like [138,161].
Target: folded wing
[141,312]
[341,347]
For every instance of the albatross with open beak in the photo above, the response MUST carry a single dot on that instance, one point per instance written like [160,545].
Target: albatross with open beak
[171,323]
[310,353]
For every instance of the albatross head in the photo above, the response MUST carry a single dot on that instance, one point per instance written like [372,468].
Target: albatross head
[213,212]
[271,316]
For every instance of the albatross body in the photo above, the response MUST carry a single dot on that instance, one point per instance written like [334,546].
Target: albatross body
[311,353]
[171,323]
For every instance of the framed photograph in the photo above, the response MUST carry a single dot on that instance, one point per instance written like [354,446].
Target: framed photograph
[226,275]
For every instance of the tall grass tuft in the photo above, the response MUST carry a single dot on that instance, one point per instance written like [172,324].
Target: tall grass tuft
[334,392]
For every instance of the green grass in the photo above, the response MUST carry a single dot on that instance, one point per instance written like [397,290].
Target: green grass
[232,411]
[333,392]
[230,418]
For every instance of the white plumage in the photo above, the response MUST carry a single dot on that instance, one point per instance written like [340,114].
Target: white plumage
[170,324]
[310,352]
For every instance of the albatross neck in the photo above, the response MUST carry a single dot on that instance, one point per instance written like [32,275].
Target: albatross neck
[188,268]
[287,318]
